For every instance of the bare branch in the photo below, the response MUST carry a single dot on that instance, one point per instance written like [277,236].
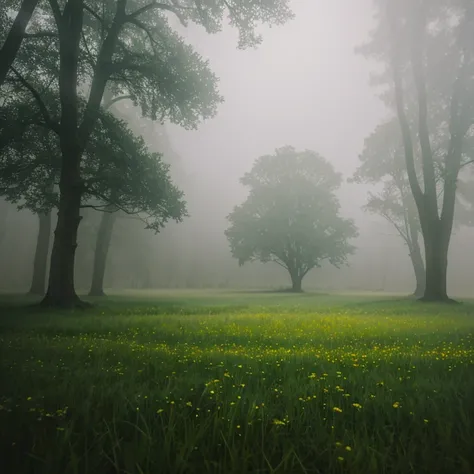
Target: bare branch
[159,6]
[88,9]
[113,101]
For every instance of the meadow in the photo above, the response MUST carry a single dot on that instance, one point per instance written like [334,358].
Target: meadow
[234,383]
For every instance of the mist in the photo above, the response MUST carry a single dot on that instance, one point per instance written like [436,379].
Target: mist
[304,86]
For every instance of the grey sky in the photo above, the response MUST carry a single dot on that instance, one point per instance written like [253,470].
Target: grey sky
[303,86]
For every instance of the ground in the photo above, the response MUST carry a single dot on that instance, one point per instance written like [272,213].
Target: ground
[236,383]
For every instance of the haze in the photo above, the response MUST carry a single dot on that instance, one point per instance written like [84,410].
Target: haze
[303,86]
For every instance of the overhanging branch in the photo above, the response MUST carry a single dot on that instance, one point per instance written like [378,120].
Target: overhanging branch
[158,6]
[54,126]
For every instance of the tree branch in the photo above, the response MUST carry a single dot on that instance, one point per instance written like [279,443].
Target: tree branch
[459,126]
[56,12]
[113,101]
[54,126]
[139,24]
[88,9]
[15,37]
[41,34]
[159,6]
[402,118]
[429,177]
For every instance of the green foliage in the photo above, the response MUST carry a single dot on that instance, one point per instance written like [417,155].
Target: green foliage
[291,214]
[118,171]
[220,383]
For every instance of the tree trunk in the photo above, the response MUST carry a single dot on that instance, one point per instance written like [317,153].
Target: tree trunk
[3,220]
[436,256]
[296,282]
[38,283]
[104,236]
[61,291]
[15,37]
[419,270]
[413,232]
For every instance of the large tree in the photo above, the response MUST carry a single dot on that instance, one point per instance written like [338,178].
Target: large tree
[427,48]
[383,164]
[119,175]
[291,216]
[128,45]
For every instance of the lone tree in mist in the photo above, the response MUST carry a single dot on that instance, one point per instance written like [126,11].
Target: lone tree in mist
[291,216]
[427,48]
[129,46]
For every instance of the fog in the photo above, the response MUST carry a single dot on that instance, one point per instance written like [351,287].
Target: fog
[303,86]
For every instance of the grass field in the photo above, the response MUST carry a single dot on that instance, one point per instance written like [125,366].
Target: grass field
[238,383]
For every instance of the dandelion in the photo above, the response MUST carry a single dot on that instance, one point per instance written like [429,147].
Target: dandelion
[337,410]
[276,421]
[357,405]
[396,405]
[348,448]
[189,404]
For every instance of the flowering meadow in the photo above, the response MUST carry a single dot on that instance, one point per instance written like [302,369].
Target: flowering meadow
[238,383]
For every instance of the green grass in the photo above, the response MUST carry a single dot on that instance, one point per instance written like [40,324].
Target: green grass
[234,383]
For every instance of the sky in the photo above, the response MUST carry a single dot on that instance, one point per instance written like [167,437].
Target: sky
[303,86]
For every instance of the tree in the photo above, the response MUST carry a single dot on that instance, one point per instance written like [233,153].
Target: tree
[118,172]
[120,108]
[421,44]
[291,216]
[151,197]
[129,45]
[383,161]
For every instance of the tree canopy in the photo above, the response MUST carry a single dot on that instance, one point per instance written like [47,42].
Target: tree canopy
[119,173]
[291,216]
